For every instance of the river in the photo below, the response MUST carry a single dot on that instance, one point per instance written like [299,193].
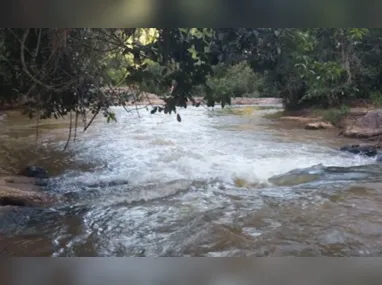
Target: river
[216,184]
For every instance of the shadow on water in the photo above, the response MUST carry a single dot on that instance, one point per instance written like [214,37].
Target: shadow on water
[154,187]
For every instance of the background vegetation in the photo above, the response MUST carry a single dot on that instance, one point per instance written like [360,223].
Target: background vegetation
[58,72]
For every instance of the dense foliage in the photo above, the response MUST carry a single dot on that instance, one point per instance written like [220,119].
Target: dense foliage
[59,71]
[321,66]
[55,72]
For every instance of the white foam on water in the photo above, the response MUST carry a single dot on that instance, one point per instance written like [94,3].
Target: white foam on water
[198,151]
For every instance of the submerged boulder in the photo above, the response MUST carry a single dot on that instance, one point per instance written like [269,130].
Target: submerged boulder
[34,171]
[366,150]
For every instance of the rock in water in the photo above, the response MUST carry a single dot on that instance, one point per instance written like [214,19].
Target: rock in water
[318,126]
[34,171]
[22,191]
[367,126]
[298,176]
[16,197]
[366,150]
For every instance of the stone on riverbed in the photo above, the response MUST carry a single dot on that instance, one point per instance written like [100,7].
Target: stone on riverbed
[34,171]
[366,150]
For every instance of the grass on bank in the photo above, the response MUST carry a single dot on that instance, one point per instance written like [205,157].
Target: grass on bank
[333,115]
[376,99]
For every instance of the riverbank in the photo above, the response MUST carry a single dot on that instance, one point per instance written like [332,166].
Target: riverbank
[337,118]
[151,99]
[362,125]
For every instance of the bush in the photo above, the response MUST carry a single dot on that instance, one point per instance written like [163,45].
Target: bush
[152,86]
[334,116]
[237,80]
[376,98]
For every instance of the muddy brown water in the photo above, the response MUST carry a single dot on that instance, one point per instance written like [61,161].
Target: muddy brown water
[150,186]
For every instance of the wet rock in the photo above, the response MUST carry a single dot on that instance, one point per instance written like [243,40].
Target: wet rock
[318,126]
[367,126]
[293,179]
[298,119]
[20,182]
[242,183]
[16,197]
[3,116]
[21,191]
[366,150]
[297,176]
[34,171]
[361,133]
